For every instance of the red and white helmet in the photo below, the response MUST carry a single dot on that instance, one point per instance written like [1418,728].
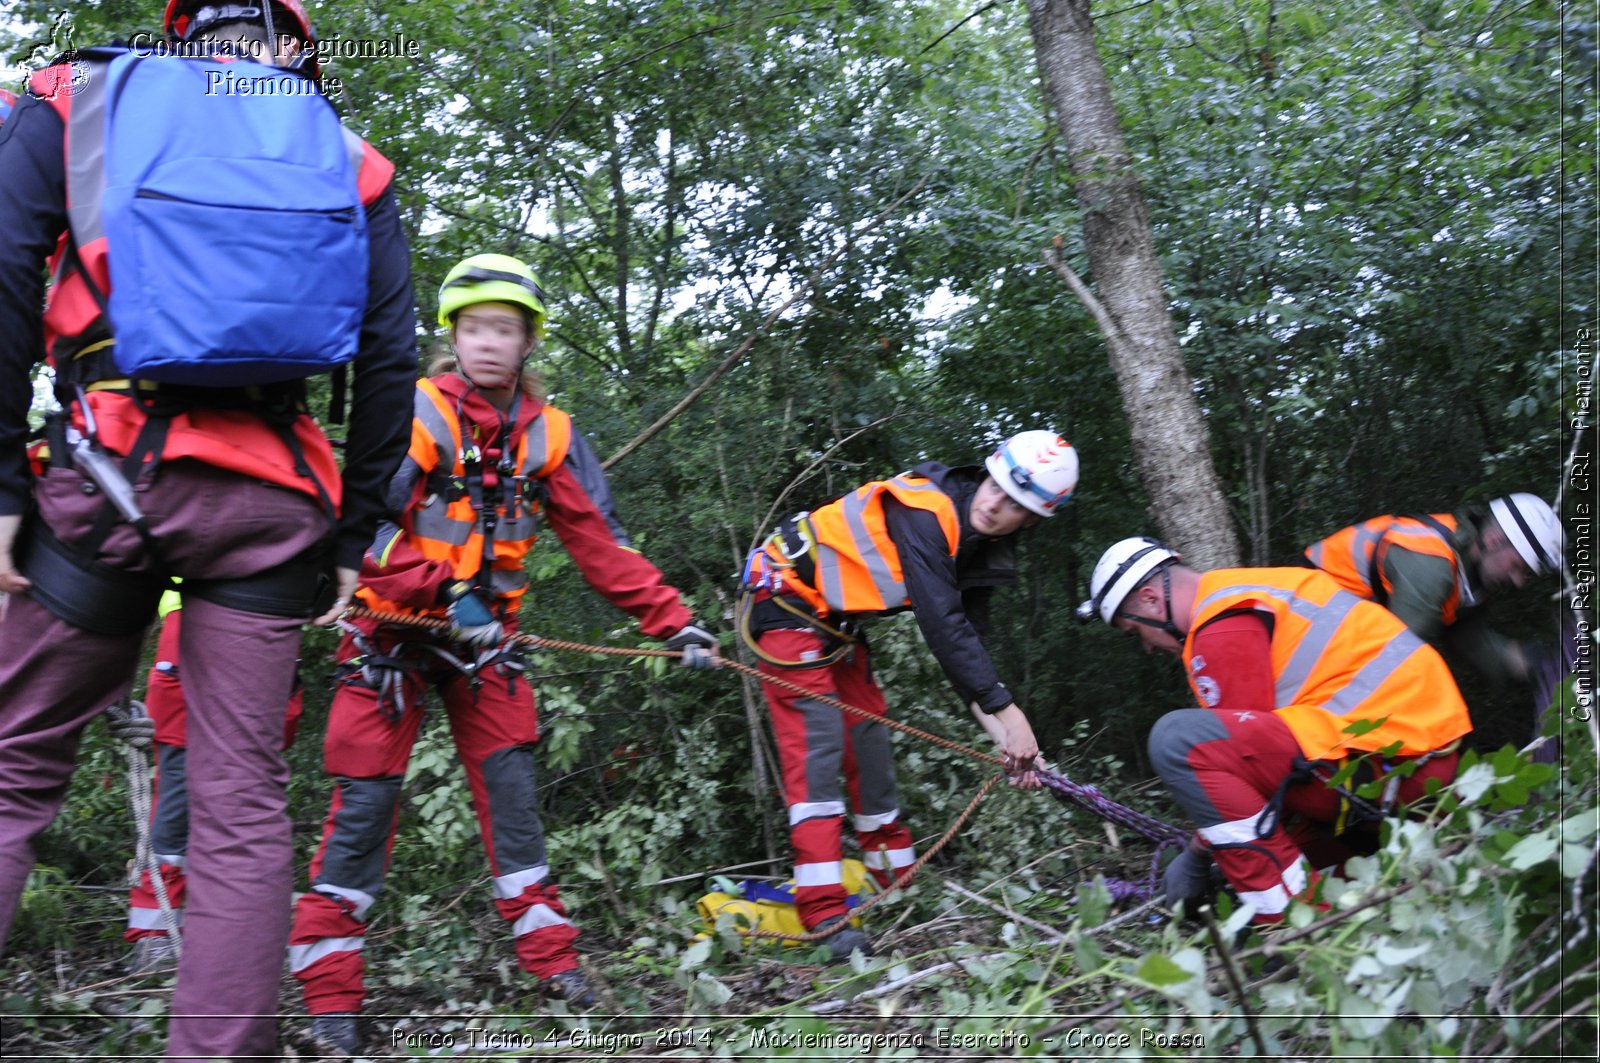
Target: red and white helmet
[1038,469]
[1533,529]
[185,18]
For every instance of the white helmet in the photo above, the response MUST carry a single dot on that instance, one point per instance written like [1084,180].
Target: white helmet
[1120,569]
[1038,469]
[1533,529]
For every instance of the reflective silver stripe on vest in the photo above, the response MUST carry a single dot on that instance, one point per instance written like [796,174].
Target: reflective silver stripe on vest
[504,581]
[538,452]
[438,429]
[1374,673]
[854,507]
[433,521]
[518,530]
[1325,623]
[1363,547]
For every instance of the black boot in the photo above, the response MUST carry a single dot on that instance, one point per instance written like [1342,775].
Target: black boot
[846,941]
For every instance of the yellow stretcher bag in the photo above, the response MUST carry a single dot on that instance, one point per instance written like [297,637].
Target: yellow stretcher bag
[758,905]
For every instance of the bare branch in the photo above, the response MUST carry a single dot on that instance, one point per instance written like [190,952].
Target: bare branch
[802,290]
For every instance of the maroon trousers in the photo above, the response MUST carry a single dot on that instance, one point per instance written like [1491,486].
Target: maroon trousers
[169,789]
[238,672]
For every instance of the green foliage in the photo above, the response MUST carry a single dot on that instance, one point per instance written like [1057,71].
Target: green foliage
[1373,227]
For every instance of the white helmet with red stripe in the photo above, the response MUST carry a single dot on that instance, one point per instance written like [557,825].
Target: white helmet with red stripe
[1038,469]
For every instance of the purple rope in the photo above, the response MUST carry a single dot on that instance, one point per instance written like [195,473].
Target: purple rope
[1091,798]
[1123,890]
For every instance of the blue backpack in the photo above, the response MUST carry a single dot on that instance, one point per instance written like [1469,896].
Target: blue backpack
[236,238]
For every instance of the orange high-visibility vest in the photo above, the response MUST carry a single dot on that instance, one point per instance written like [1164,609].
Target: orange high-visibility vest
[445,526]
[1354,556]
[856,565]
[1339,660]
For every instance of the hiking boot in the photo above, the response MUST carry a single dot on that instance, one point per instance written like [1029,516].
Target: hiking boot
[570,986]
[337,1030]
[156,954]
[846,941]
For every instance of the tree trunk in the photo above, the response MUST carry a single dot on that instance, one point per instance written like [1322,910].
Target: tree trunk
[1169,433]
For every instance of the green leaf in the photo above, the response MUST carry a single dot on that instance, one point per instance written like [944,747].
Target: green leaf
[1160,970]
[1361,727]
[1534,849]
[695,955]
[1577,827]
[1473,783]
[1094,900]
[1575,860]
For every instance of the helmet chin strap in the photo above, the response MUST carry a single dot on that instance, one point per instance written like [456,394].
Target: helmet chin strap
[1166,625]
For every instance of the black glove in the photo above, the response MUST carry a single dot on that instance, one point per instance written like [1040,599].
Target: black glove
[472,622]
[1188,878]
[699,646]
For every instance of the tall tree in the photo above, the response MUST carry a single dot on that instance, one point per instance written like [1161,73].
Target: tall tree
[1167,426]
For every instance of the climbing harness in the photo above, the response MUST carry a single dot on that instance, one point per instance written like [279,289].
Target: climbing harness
[791,548]
[840,640]
[1351,804]
[386,673]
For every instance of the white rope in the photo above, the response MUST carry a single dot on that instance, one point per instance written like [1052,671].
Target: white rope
[123,714]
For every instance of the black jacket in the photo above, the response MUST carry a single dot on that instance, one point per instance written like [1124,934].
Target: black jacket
[950,596]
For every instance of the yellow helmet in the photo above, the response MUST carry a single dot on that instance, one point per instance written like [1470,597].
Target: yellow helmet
[492,279]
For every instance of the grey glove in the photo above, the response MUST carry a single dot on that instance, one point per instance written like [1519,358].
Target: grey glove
[472,622]
[128,721]
[699,647]
[1187,878]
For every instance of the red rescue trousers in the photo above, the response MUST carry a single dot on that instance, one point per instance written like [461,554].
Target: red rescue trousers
[369,741]
[816,743]
[1271,836]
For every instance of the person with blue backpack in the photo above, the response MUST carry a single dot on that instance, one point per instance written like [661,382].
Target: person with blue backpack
[207,254]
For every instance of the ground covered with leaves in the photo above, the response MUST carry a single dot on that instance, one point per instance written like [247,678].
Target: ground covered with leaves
[1469,936]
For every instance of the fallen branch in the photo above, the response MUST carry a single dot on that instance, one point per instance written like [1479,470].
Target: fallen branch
[1235,983]
[1053,934]
[708,872]
[831,1006]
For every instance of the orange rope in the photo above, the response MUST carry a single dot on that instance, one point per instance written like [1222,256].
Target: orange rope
[438,624]
[363,612]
